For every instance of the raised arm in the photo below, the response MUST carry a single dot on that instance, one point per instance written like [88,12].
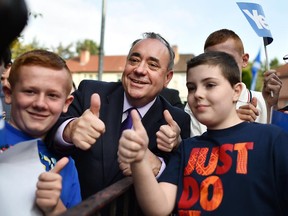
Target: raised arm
[133,146]
[85,130]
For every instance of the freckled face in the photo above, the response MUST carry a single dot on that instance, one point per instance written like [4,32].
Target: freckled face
[146,72]
[38,98]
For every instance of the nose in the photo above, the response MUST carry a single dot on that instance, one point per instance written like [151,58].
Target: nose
[40,102]
[198,92]
[141,68]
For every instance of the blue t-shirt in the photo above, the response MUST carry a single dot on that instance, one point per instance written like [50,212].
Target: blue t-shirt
[70,194]
[242,170]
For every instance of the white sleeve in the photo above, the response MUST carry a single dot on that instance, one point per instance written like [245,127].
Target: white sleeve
[195,126]
[163,166]
[59,134]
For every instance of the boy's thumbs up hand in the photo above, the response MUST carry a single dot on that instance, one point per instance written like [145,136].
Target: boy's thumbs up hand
[60,165]
[134,142]
[49,188]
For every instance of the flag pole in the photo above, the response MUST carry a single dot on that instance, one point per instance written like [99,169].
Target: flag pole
[268,68]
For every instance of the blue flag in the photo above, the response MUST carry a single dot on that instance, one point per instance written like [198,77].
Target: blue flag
[255,68]
[255,16]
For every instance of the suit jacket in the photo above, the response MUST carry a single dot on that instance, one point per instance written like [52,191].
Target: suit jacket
[172,95]
[98,167]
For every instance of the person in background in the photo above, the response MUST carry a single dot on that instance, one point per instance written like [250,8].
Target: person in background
[285,108]
[234,168]
[172,95]
[39,91]
[252,105]
[92,126]
[4,81]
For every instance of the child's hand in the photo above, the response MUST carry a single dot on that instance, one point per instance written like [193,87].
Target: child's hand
[134,142]
[49,187]
[248,112]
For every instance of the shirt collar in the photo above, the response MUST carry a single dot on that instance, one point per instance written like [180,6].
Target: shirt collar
[142,110]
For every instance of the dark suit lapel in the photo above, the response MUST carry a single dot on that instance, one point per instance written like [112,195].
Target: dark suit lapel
[112,115]
[152,121]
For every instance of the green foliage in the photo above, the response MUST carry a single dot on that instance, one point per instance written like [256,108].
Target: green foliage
[18,48]
[87,44]
[246,77]
[274,63]
[65,51]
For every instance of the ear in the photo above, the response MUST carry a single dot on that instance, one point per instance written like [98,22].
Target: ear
[168,77]
[68,101]
[245,58]
[7,94]
[237,92]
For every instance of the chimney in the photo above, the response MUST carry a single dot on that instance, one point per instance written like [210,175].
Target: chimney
[175,49]
[84,57]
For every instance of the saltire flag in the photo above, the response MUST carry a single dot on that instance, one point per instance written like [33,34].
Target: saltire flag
[255,68]
[256,18]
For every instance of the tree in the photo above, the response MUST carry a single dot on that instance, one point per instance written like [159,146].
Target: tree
[65,52]
[89,45]
[247,76]
[274,63]
[18,48]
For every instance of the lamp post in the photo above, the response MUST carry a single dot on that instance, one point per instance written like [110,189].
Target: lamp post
[101,48]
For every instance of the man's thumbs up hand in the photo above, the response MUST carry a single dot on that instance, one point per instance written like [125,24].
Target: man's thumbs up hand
[95,104]
[168,136]
[84,131]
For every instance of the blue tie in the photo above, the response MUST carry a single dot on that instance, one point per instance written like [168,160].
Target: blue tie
[127,123]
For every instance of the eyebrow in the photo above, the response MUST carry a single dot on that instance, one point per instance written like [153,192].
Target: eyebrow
[206,79]
[150,58]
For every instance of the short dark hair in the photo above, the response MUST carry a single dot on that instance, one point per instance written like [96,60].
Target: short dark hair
[224,61]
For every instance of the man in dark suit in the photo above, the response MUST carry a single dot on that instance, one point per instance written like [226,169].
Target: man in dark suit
[93,121]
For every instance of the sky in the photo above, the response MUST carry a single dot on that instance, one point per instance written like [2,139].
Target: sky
[185,23]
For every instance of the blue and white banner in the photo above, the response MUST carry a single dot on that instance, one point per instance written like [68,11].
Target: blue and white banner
[255,16]
[256,66]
